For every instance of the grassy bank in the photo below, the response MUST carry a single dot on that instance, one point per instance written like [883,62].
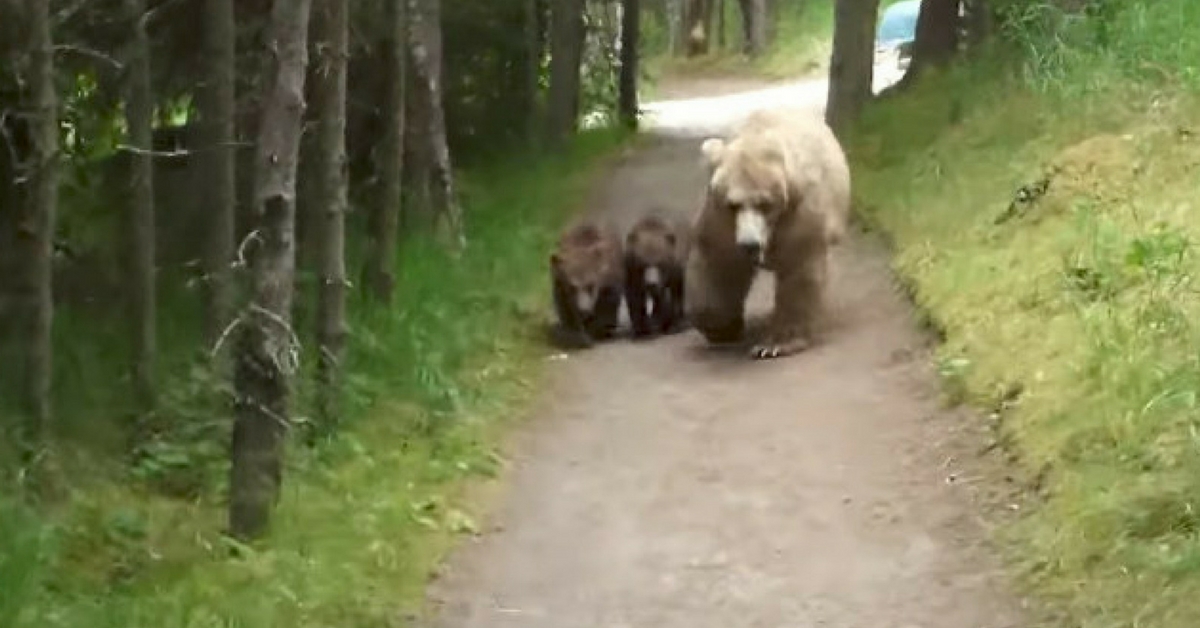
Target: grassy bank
[1071,313]
[364,516]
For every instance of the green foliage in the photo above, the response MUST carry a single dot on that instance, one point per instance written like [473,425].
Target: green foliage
[366,512]
[1111,42]
[801,45]
[1079,293]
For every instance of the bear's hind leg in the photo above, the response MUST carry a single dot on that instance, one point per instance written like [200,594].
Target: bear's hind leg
[798,298]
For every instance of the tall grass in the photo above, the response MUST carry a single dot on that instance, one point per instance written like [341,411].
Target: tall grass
[366,513]
[1082,299]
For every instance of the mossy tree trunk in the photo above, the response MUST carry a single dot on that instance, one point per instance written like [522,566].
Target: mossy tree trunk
[384,220]
[141,295]
[425,45]
[266,350]
[628,80]
[216,101]
[852,63]
[35,228]
[329,102]
[936,38]
[754,26]
[566,54]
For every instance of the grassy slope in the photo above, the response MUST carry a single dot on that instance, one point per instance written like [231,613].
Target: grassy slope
[1084,302]
[364,517]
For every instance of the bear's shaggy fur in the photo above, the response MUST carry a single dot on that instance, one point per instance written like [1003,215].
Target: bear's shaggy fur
[587,273]
[778,198]
[654,256]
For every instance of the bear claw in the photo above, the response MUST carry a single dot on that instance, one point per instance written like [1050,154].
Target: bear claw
[778,350]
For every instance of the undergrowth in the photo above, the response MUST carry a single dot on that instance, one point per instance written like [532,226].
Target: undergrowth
[800,47]
[365,513]
[1042,199]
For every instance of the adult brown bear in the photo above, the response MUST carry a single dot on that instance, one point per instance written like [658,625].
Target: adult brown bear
[778,198]
[587,275]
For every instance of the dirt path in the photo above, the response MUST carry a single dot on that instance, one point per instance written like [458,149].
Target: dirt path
[667,485]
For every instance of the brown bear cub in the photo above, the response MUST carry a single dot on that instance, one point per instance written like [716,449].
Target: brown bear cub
[654,277]
[587,281]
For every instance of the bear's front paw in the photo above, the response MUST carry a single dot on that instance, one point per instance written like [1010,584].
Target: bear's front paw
[775,347]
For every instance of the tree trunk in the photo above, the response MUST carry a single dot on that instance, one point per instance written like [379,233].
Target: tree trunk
[754,26]
[532,71]
[674,19]
[384,221]
[771,17]
[566,54]
[35,228]
[425,41]
[139,118]
[852,63]
[266,351]
[216,99]
[979,22]
[329,94]
[936,38]
[722,41]
[628,100]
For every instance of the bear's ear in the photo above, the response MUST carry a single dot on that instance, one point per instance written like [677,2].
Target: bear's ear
[555,260]
[712,149]
[671,239]
[632,238]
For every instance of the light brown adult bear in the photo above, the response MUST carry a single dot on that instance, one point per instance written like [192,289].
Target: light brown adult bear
[587,276]
[778,198]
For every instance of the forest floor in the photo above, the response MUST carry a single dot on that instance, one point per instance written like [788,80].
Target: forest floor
[663,484]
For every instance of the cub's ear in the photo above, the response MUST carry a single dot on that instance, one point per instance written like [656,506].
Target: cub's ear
[712,149]
[671,239]
[555,260]
[632,238]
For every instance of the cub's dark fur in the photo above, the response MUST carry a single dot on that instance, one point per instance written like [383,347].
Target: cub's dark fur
[587,282]
[654,254]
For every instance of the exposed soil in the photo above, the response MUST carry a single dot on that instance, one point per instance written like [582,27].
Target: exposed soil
[706,86]
[664,484]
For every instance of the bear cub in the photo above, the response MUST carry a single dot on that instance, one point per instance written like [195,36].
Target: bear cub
[654,277]
[587,282]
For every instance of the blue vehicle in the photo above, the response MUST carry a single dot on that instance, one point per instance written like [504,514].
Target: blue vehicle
[897,30]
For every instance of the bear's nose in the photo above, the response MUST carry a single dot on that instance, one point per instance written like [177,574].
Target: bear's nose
[751,249]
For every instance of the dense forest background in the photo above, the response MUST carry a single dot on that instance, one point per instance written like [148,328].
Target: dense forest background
[252,251]
[269,273]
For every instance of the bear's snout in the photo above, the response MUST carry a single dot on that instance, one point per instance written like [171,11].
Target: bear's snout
[751,233]
[751,249]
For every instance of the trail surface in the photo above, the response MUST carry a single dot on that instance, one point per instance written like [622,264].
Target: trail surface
[663,484]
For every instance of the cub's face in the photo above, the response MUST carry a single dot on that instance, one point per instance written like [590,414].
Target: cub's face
[582,272]
[751,190]
[654,249]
